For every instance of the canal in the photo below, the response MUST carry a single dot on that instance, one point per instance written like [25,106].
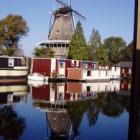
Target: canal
[65,111]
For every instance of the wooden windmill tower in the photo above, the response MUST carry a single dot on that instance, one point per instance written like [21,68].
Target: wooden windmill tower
[61,30]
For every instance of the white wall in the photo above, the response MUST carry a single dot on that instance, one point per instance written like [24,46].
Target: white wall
[102,74]
[102,86]
[115,72]
[53,65]
[97,75]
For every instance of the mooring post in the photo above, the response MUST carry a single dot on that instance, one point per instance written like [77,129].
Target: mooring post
[134,124]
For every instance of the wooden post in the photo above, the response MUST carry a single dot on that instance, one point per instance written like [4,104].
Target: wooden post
[134,125]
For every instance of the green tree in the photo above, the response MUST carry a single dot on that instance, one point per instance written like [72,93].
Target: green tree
[94,42]
[43,52]
[78,46]
[12,29]
[126,53]
[114,46]
[101,54]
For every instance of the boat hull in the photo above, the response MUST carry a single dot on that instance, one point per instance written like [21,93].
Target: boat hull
[18,74]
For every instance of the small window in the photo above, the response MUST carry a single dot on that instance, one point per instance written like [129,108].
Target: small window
[123,70]
[85,66]
[77,63]
[11,62]
[88,88]
[61,65]
[72,63]
[88,73]
[106,72]
[129,71]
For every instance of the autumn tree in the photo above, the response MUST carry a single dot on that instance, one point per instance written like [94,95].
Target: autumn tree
[43,52]
[78,46]
[12,29]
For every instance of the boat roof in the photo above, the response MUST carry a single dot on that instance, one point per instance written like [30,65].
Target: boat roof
[5,56]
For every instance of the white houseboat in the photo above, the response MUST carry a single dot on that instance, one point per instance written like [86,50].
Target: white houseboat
[13,69]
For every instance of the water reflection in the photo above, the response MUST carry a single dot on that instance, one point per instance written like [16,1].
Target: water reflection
[11,124]
[66,103]
[10,94]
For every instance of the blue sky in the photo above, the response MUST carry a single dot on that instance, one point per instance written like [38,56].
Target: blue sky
[109,17]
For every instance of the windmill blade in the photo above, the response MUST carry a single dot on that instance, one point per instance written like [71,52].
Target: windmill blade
[77,13]
[62,3]
[70,9]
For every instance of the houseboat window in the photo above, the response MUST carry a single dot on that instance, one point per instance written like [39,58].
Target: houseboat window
[106,73]
[77,63]
[10,62]
[63,45]
[123,70]
[61,65]
[85,66]
[72,62]
[115,68]
[94,66]
[129,71]
[88,73]
[88,88]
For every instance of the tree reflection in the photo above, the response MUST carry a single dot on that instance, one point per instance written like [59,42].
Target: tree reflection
[76,111]
[92,113]
[112,106]
[11,125]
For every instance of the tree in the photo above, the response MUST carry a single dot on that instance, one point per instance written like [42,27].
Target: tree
[127,52]
[101,54]
[12,29]
[114,46]
[94,44]
[78,47]
[43,52]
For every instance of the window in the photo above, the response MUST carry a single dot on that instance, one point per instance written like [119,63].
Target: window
[123,70]
[61,65]
[72,63]
[77,63]
[88,73]
[106,73]
[129,71]
[11,62]
[85,66]
[94,66]
[88,88]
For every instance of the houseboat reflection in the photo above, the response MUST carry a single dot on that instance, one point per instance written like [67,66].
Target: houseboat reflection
[10,94]
[66,103]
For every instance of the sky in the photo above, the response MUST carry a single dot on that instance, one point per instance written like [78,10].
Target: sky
[109,17]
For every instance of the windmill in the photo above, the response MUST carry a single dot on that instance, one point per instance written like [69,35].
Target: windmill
[61,30]
[63,24]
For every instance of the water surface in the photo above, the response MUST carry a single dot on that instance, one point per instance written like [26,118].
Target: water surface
[69,111]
